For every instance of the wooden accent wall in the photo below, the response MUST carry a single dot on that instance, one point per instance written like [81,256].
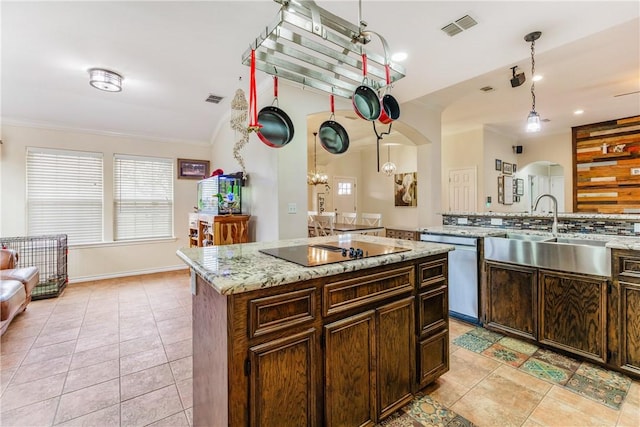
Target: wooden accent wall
[603,182]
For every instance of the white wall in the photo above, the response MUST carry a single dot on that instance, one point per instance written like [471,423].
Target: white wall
[105,260]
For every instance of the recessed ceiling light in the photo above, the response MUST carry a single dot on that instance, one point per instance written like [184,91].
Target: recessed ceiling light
[578,112]
[399,56]
[537,78]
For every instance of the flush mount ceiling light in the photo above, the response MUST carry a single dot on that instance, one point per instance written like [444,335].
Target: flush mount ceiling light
[533,120]
[105,80]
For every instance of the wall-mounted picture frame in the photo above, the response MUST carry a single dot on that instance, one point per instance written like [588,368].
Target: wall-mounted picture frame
[507,168]
[498,165]
[514,168]
[518,186]
[193,169]
[501,189]
[406,189]
[321,203]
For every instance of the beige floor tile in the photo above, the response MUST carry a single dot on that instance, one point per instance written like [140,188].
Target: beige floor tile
[561,407]
[185,390]
[96,341]
[19,395]
[36,371]
[12,360]
[143,360]
[175,335]
[42,354]
[145,381]
[182,368]
[37,414]
[172,313]
[141,344]
[630,409]
[150,407]
[52,326]
[15,343]
[94,356]
[175,420]
[504,397]
[6,375]
[446,391]
[457,327]
[468,368]
[106,417]
[63,335]
[179,349]
[189,413]
[91,375]
[87,400]
[128,333]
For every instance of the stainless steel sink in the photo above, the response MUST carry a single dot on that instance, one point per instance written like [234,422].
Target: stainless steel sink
[528,237]
[563,254]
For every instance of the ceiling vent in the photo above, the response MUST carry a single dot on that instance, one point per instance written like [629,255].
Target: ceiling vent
[214,99]
[459,25]
[487,89]
[545,120]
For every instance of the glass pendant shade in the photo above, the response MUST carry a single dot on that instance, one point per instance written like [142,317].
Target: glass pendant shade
[389,168]
[533,122]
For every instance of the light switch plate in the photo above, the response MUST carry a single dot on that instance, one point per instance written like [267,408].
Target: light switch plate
[463,221]
[636,227]
[292,208]
[496,221]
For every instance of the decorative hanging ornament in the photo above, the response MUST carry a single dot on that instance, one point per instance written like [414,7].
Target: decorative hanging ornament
[239,114]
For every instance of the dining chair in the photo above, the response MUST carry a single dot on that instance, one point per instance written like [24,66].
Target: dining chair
[372,219]
[310,226]
[348,217]
[323,225]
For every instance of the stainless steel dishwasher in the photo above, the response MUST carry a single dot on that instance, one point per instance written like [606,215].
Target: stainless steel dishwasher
[463,275]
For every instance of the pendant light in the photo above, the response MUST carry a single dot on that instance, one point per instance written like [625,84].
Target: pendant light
[106,80]
[389,168]
[533,121]
[314,177]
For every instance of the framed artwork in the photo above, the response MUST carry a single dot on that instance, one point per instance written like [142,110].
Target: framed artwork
[518,186]
[321,205]
[193,169]
[508,190]
[501,189]
[514,168]
[507,168]
[499,165]
[405,189]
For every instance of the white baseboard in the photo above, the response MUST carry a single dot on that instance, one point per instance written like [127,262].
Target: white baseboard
[126,274]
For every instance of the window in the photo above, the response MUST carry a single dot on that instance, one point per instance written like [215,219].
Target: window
[64,194]
[344,188]
[143,197]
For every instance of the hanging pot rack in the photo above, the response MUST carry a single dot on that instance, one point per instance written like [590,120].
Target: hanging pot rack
[311,46]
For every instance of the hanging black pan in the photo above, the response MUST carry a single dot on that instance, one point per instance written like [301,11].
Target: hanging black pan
[365,100]
[333,137]
[276,128]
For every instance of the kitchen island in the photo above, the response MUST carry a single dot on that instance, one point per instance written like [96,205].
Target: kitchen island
[345,343]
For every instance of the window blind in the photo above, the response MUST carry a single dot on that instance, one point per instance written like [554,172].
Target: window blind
[64,194]
[143,197]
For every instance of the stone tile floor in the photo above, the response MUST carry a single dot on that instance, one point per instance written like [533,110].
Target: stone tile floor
[118,353]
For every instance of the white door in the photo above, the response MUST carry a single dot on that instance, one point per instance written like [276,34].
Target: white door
[462,190]
[344,194]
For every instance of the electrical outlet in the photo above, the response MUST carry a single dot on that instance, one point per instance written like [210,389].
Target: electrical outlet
[635,171]
[636,227]
[292,208]
[463,221]
[496,221]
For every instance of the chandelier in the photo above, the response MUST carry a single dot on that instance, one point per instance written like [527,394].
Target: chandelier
[533,120]
[389,168]
[315,177]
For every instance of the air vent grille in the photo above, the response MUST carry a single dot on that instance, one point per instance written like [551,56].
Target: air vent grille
[487,89]
[545,120]
[214,99]
[459,25]
[466,22]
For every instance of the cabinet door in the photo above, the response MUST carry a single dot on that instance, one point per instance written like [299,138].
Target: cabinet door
[512,299]
[433,357]
[283,381]
[573,313]
[630,321]
[350,371]
[395,359]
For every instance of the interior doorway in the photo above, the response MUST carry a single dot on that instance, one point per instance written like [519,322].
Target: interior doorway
[462,190]
[344,194]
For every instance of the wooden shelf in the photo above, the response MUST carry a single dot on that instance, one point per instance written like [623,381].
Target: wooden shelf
[613,155]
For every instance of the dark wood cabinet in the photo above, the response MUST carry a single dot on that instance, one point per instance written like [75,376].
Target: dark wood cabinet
[626,315]
[341,350]
[573,313]
[512,300]
[394,233]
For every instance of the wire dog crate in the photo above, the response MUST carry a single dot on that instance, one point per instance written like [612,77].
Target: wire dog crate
[49,255]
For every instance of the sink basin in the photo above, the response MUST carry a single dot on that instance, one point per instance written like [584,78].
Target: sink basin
[587,242]
[581,256]
[527,237]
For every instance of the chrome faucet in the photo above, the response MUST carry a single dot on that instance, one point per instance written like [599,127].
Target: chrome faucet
[554,227]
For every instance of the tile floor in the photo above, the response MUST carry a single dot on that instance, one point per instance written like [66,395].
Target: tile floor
[118,352]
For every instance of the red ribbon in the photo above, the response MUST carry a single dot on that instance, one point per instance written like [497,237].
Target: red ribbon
[253,103]
[332,105]
[275,86]
[388,73]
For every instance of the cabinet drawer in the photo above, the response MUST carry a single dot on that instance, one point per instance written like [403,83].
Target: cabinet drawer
[277,312]
[630,267]
[433,357]
[345,295]
[432,273]
[401,234]
[433,310]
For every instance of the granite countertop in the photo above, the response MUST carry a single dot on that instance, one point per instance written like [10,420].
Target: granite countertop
[457,230]
[573,215]
[241,268]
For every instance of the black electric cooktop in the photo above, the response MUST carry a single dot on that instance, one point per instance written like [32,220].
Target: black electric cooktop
[331,252]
